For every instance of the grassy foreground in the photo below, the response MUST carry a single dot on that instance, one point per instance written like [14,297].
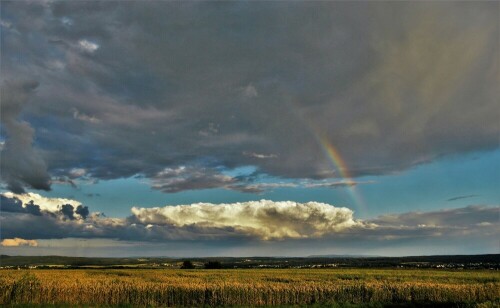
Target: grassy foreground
[249,287]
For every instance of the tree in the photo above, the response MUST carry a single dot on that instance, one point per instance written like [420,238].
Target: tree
[187,265]
[213,265]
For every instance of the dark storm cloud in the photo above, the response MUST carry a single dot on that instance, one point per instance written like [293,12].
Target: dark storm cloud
[136,87]
[83,211]
[68,211]
[14,205]
[21,164]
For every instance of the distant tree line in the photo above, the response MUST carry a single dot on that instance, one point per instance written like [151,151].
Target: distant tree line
[208,265]
[187,265]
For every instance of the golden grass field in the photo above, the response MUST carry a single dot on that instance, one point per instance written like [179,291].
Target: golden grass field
[171,287]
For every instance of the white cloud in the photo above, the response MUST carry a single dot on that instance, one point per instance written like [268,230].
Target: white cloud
[264,219]
[88,46]
[259,155]
[46,204]
[77,172]
[14,242]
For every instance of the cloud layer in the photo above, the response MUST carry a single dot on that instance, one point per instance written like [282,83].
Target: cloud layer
[216,86]
[261,221]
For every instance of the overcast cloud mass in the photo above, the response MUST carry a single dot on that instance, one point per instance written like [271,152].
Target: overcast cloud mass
[124,89]
[184,95]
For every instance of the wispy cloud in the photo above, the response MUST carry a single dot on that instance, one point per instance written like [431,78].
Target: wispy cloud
[336,184]
[260,155]
[172,180]
[181,178]
[249,91]
[462,197]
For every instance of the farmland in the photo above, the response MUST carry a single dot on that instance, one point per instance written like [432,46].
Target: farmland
[175,287]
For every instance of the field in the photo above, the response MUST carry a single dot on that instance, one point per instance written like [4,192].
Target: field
[174,287]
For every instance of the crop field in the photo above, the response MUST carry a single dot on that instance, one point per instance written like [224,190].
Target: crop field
[239,287]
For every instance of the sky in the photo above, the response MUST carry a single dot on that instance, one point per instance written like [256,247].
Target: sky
[190,129]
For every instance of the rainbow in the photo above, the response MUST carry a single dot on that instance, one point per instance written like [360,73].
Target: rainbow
[332,153]
[339,164]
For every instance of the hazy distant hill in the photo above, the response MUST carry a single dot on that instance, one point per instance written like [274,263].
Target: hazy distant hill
[344,256]
[6,260]
[457,261]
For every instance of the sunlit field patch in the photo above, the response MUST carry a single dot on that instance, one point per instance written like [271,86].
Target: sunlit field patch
[249,287]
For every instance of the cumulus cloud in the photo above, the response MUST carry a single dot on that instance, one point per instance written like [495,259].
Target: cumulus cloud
[14,242]
[387,86]
[37,205]
[46,204]
[14,205]
[264,219]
